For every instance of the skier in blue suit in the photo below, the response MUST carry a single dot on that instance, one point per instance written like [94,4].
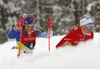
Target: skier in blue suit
[29,34]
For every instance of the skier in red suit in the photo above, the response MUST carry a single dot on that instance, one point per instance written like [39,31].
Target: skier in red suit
[76,35]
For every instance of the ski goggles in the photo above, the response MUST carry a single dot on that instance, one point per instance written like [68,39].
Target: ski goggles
[89,26]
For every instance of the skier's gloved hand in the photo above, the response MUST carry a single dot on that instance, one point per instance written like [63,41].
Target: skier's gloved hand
[49,22]
[20,22]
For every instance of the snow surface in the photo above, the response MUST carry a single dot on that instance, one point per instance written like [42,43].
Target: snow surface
[84,56]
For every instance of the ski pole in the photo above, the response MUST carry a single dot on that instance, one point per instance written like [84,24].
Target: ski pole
[24,16]
[20,40]
[49,37]
[49,24]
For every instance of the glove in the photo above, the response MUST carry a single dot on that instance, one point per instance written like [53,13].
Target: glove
[20,22]
[49,23]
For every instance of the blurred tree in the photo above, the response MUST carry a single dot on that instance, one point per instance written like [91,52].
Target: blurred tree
[7,19]
[94,11]
[64,13]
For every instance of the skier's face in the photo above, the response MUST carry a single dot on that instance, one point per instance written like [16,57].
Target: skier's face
[29,27]
[87,28]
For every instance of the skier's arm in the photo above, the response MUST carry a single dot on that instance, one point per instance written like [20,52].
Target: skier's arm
[13,33]
[65,40]
[44,34]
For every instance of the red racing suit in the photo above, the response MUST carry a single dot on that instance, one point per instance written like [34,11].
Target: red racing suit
[74,37]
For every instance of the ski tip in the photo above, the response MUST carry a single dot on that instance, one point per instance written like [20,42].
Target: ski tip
[25,14]
[24,17]
[49,17]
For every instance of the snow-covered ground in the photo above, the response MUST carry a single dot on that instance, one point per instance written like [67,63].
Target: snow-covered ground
[84,56]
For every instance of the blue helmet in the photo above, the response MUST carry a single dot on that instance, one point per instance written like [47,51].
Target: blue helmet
[29,20]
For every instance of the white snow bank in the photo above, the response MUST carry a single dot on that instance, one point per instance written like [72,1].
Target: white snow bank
[84,56]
